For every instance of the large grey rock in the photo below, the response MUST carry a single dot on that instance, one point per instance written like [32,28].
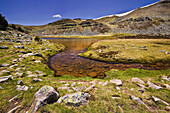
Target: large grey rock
[116,81]
[136,79]
[22,88]
[4,47]
[45,95]
[154,86]
[75,99]
[5,78]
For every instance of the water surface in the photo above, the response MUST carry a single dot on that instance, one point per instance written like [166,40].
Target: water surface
[69,62]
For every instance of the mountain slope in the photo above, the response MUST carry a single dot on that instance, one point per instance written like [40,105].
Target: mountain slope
[150,20]
[153,19]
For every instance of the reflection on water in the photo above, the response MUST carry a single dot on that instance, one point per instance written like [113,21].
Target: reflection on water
[69,62]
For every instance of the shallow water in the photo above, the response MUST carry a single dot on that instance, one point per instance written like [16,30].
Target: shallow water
[70,63]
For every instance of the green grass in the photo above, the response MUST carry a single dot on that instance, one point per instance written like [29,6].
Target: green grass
[122,50]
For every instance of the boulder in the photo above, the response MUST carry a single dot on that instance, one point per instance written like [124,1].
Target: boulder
[136,79]
[22,88]
[5,78]
[154,86]
[4,47]
[44,95]
[75,99]
[116,81]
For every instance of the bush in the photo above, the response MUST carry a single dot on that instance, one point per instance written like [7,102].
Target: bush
[37,38]
[20,29]
[3,23]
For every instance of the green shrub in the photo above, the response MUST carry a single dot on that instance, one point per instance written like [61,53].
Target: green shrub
[3,23]
[37,38]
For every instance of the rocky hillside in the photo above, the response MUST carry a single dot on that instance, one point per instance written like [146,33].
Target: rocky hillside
[70,27]
[150,20]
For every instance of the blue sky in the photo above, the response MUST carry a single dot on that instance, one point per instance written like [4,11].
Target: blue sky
[40,12]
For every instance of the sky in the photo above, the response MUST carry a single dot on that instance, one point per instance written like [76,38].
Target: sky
[40,12]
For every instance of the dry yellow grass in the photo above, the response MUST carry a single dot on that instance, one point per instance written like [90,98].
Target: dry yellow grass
[130,50]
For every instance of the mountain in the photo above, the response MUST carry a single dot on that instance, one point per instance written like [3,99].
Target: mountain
[151,20]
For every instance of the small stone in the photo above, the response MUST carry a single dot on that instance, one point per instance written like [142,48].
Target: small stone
[32,75]
[5,71]
[100,51]
[1,87]
[140,85]
[73,84]
[118,88]
[141,90]
[14,109]
[105,83]
[167,52]
[115,96]
[158,99]
[37,61]
[90,88]
[22,88]
[19,74]
[38,72]
[165,78]
[70,69]
[20,82]
[5,65]
[116,81]
[167,86]
[92,74]
[63,88]
[136,79]
[4,47]
[29,72]
[152,85]
[5,78]
[78,89]
[19,47]
[14,97]
[37,80]
[137,99]
[132,89]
